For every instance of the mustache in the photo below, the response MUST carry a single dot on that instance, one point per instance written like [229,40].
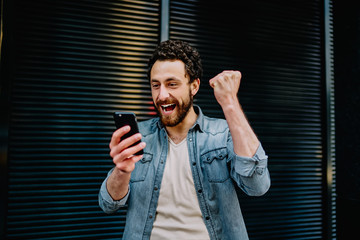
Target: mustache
[169,100]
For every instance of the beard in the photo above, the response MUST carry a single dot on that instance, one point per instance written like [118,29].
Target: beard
[181,110]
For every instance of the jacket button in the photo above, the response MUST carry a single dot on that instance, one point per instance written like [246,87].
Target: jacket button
[150,216]
[207,218]
[155,188]
[199,191]
[259,170]
[194,163]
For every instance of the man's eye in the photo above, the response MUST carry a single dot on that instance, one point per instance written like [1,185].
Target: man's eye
[172,84]
[155,85]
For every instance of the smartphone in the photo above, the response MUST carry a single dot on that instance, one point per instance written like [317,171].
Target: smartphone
[127,118]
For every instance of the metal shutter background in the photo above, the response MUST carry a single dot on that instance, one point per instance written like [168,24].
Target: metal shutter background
[76,63]
[279,48]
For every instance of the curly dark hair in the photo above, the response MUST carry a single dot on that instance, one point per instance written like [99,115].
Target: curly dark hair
[178,50]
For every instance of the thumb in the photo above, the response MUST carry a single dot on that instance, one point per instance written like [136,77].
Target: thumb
[213,83]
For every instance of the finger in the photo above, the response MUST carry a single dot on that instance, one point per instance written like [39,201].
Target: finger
[235,76]
[128,165]
[213,83]
[128,153]
[225,77]
[125,143]
[231,79]
[216,81]
[115,139]
[237,79]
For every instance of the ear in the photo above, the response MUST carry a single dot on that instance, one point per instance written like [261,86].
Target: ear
[195,85]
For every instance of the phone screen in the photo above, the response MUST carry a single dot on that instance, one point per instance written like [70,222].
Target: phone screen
[127,118]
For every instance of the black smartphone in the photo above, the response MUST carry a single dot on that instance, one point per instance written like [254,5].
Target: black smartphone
[127,118]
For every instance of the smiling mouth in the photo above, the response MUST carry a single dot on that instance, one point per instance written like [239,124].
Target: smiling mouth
[168,107]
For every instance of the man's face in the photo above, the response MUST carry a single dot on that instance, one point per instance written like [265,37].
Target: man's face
[171,91]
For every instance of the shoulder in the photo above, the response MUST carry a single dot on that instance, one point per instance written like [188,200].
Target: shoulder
[208,124]
[214,125]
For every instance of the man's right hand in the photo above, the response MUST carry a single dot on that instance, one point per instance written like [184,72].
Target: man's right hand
[123,155]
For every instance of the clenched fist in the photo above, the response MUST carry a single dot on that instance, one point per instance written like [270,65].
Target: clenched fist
[226,86]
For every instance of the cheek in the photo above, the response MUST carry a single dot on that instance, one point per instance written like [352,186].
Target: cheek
[154,95]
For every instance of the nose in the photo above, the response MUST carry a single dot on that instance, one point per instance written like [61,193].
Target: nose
[163,94]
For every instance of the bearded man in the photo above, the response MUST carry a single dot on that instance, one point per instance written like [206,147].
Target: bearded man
[184,185]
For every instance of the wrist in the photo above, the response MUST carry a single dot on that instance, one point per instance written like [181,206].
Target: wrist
[231,104]
[121,174]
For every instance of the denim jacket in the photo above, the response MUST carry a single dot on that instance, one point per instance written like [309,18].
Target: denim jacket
[216,170]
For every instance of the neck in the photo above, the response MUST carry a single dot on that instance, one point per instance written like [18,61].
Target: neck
[180,131]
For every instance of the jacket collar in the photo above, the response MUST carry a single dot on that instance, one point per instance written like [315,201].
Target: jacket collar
[199,124]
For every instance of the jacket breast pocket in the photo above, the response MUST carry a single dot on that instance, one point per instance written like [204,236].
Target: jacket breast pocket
[141,168]
[215,165]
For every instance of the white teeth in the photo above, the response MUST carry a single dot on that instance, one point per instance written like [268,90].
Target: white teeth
[167,105]
[164,107]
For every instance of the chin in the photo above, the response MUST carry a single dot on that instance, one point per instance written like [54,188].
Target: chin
[169,121]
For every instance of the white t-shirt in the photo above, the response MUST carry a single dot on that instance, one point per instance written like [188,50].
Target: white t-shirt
[178,214]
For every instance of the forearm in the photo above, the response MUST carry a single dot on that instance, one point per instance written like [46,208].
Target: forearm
[107,203]
[244,139]
[117,184]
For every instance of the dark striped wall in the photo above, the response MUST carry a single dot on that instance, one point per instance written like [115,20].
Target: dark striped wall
[76,63]
[70,64]
[347,73]
[279,48]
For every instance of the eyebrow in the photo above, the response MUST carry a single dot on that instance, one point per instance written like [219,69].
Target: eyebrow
[167,80]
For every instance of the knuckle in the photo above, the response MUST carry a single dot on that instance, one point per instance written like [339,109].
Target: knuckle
[116,159]
[124,154]
[113,152]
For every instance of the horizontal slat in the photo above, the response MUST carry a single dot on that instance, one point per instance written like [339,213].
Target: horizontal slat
[278,49]
[77,62]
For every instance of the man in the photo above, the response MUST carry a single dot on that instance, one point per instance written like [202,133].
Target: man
[183,186]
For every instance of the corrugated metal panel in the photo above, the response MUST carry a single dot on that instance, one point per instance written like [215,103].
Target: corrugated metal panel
[279,48]
[331,212]
[76,63]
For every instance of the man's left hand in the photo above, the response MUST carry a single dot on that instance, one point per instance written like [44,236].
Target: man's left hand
[226,86]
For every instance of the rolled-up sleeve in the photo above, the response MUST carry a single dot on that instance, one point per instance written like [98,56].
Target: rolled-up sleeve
[106,203]
[246,166]
[252,174]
